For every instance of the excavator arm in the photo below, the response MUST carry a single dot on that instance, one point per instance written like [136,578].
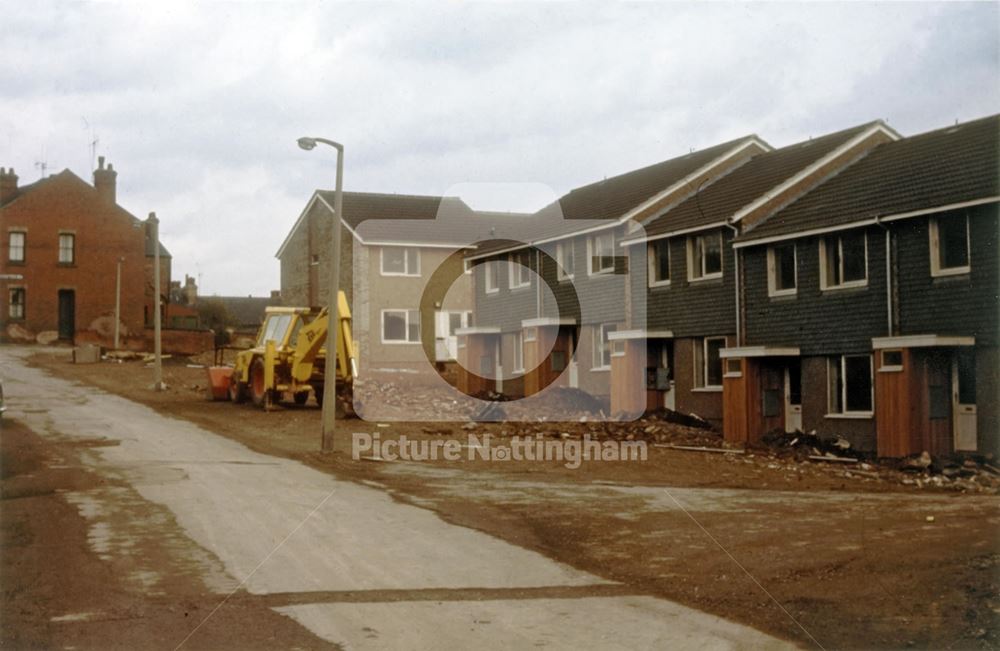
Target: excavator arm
[312,338]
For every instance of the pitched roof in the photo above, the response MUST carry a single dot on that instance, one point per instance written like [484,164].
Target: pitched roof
[613,198]
[68,175]
[722,199]
[382,218]
[934,169]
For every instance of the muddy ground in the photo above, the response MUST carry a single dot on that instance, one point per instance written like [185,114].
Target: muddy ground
[854,561]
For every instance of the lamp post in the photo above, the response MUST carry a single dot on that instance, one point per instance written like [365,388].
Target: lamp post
[330,370]
[154,226]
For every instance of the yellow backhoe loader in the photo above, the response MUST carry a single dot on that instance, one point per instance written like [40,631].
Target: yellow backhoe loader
[289,359]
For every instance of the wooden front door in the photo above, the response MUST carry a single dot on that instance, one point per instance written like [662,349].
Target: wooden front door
[67,314]
[772,396]
[939,402]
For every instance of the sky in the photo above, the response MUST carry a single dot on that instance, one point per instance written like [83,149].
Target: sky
[198,106]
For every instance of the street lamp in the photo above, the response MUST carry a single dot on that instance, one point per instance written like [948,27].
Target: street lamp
[330,370]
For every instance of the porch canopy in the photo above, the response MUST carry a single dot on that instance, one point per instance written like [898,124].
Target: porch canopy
[921,341]
[759,351]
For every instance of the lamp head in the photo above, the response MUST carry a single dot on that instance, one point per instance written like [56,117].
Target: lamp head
[307,143]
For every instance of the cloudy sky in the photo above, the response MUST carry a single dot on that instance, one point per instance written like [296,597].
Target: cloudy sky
[508,105]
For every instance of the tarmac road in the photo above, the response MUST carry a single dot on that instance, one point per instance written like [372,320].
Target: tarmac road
[342,559]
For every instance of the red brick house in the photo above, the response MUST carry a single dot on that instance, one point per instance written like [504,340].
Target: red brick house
[60,243]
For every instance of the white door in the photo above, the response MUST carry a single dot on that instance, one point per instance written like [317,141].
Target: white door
[793,398]
[669,396]
[498,364]
[574,372]
[963,384]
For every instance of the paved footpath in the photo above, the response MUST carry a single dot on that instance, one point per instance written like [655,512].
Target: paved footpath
[342,559]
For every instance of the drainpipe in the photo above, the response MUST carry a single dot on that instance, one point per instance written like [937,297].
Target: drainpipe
[538,282]
[736,270]
[888,274]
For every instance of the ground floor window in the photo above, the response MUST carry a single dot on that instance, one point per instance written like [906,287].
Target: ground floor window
[400,326]
[849,379]
[707,363]
[16,304]
[518,352]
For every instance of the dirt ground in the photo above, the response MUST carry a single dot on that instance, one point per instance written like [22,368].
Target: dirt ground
[854,558]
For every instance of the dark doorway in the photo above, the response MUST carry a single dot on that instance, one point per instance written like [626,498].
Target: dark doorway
[67,314]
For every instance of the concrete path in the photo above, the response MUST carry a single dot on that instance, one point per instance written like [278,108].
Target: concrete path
[342,559]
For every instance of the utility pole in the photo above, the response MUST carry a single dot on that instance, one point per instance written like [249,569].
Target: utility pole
[118,301]
[154,225]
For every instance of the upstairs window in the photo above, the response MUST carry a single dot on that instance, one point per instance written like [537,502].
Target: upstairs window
[15,249]
[949,245]
[400,326]
[658,255]
[844,261]
[849,380]
[565,260]
[782,275]
[708,363]
[705,256]
[15,308]
[520,269]
[67,245]
[601,251]
[491,278]
[400,261]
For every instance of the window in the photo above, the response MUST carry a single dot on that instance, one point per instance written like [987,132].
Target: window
[491,276]
[15,251]
[849,379]
[67,241]
[400,261]
[734,367]
[602,348]
[518,352]
[705,256]
[782,275]
[565,260]
[601,252]
[314,259]
[707,363]
[844,261]
[16,307]
[658,255]
[400,326]
[520,269]
[892,360]
[949,245]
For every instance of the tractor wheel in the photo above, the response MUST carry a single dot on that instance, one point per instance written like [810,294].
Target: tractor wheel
[258,392]
[237,391]
[301,398]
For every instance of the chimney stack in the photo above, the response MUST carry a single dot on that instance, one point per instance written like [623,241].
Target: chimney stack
[8,185]
[105,181]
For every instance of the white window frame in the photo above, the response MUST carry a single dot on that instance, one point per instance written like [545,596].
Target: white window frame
[518,272]
[467,266]
[23,246]
[890,368]
[727,371]
[772,272]
[72,248]
[601,344]
[652,263]
[408,251]
[935,244]
[696,273]
[701,364]
[824,282]
[519,352]
[407,316]
[23,304]
[841,361]
[562,273]
[592,249]
[491,276]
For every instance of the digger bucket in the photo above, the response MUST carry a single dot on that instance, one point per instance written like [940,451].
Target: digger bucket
[218,382]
